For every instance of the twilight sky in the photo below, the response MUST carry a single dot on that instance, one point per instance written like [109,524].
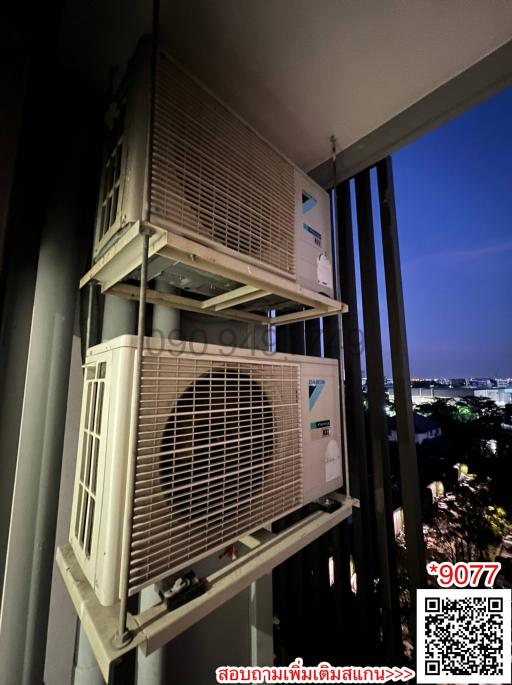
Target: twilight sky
[454,204]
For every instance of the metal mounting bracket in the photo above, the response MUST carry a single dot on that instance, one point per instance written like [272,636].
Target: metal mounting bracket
[259,553]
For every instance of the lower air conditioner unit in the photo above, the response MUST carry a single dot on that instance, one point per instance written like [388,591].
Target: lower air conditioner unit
[228,441]
[190,165]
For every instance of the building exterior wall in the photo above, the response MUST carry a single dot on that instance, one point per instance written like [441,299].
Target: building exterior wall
[62,623]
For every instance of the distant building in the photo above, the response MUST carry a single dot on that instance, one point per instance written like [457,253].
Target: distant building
[424,428]
[480,382]
[501,382]
[458,382]
[436,488]
[501,396]
[420,395]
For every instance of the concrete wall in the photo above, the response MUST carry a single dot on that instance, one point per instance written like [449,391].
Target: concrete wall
[63,621]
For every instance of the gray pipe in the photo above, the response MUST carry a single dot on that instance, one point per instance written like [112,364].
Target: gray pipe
[166,321]
[118,319]
[86,669]
[150,670]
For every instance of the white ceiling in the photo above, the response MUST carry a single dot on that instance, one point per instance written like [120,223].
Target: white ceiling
[300,70]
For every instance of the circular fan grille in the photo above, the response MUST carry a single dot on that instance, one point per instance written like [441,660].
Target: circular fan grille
[220,437]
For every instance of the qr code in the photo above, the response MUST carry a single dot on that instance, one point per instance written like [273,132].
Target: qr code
[464,636]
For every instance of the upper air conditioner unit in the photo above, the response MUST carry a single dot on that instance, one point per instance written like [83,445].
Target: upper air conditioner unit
[228,441]
[190,165]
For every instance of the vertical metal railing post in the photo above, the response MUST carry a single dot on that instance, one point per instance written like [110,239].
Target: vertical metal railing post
[289,580]
[123,635]
[312,333]
[401,381]
[356,437]
[378,422]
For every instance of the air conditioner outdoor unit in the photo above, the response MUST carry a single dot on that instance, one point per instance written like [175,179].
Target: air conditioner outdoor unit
[228,441]
[190,165]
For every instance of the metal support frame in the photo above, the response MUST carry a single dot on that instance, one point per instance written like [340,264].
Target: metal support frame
[251,280]
[401,381]
[363,534]
[259,553]
[378,422]
[123,634]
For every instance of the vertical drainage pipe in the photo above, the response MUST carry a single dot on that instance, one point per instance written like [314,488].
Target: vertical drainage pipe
[119,318]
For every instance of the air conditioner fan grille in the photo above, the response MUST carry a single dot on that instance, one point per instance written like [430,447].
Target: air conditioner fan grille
[219,454]
[211,174]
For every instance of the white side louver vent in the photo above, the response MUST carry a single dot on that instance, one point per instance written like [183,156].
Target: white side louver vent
[89,452]
[111,187]
[226,445]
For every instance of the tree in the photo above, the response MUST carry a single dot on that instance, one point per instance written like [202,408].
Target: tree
[465,525]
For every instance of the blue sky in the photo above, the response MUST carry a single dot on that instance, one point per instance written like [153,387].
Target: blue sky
[454,205]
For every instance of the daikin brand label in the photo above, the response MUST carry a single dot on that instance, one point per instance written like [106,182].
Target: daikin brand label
[320,429]
[316,385]
[308,202]
[316,236]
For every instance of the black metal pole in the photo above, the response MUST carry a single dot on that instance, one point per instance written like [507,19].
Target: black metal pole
[346,640]
[283,338]
[313,332]
[288,578]
[331,337]
[345,645]
[315,557]
[297,338]
[364,555]
[378,422]
[401,381]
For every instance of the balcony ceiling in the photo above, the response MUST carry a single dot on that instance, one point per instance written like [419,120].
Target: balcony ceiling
[299,70]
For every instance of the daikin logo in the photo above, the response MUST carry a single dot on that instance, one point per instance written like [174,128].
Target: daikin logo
[308,202]
[315,389]
[316,235]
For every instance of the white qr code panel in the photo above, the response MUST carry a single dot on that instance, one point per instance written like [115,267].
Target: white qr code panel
[464,636]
